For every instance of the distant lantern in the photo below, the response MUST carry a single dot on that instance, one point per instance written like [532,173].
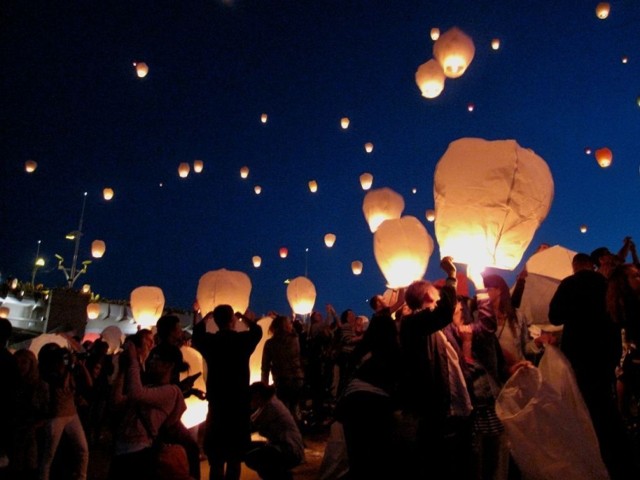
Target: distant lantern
[402,247]
[30,166]
[141,69]
[184,169]
[625,59]
[98,248]
[490,198]
[435,33]
[356,267]
[344,123]
[583,229]
[495,43]
[471,107]
[86,288]
[107,193]
[264,118]
[366,180]
[329,239]
[147,304]
[454,50]
[368,147]
[414,190]
[257,189]
[40,262]
[587,151]
[284,251]
[4,312]
[430,79]
[14,284]
[430,215]
[93,311]
[604,157]
[301,294]
[380,205]
[198,165]
[224,287]
[602,10]
[257,261]
[244,172]
[313,186]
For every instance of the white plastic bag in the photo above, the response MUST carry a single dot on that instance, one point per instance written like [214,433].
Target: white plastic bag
[548,425]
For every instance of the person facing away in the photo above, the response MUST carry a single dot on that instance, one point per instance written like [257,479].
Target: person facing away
[227,353]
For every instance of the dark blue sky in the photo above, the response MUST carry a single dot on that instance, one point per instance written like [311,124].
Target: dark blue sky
[70,100]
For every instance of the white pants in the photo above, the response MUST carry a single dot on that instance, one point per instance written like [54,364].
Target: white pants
[54,429]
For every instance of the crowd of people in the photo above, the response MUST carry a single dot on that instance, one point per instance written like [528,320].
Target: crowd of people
[414,388]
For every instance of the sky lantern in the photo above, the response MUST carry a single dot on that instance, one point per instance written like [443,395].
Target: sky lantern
[197,409]
[142,69]
[86,288]
[284,251]
[430,215]
[264,117]
[98,248]
[471,107]
[30,166]
[402,247]
[454,51]
[93,311]
[4,312]
[587,151]
[184,169]
[583,229]
[430,79]
[602,10]
[414,190]
[356,267]
[624,59]
[344,122]
[107,193]
[313,186]
[495,44]
[224,287]
[301,294]
[257,189]
[198,165]
[147,304]
[257,261]
[368,147]
[604,157]
[244,172]
[434,33]
[380,205]
[329,239]
[366,180]
[490,198]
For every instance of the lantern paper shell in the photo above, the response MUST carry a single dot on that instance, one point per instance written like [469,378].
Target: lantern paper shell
[313,186]
[301,294]
[583,229]
[257,189]
[604,157]
[107,193]
[183,170]
[430,79]
[329,239]
[454,51]
[30,166]
[244,172]
[430,215]
[283,252]
[434,33]
[402,248]
[257,261]
[224,287]
[264,118]
[98,248]
[198,165]
[602,10]
[142,69]
[4,312]
[495,44]
[356,267]
[197,409]
[344,123]
[380,205]
[368,147]
[93,311]
[147,304]
[490,198]
[366,180]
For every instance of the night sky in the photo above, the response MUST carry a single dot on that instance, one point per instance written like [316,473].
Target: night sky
[71,100]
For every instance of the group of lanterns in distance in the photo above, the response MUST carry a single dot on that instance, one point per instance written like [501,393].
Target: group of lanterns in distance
[184,168]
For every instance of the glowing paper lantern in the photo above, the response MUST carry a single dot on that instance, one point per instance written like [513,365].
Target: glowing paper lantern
[454,51]
[283,252]
[107,193]
[604,157]
[184,169]
[380,205]
[301,294]
[4,312]
[264,118]
[257,189]
[430,215]
[414,190]
[244,172]
[257,261]
[344,123]
[583,229]
[402,247]
[114,338]
[471,107]
[198,165]
[93,311]
[197,409]
[490,198]
[40,262]
[329,239]
[495,43]
[366,180]
[224,287]
[98,248]
[602,10]
[356,267]
[587,150]
[313,186]
[141,69]
[147,304]
[368,147]
[430,79]
[86,288]
[30,166]
[435,33]
[625,59]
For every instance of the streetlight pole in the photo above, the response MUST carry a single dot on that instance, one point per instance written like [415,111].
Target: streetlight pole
[36,264]
[73,273]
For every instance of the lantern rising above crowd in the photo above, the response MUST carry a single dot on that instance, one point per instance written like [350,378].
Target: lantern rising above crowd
[380,205]
[301,294]
[223,287]
[147,304]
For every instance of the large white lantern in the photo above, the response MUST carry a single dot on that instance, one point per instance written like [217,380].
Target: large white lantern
[301,294]
[98,247]
[381,204]
[402,248]
[224,287]
[147,304]
[430,79]
[454,51]
[490,198]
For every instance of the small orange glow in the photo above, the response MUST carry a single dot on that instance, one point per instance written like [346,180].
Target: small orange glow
[284,251]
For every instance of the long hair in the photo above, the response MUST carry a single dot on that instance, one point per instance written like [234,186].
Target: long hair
[505,307]
[277,326]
